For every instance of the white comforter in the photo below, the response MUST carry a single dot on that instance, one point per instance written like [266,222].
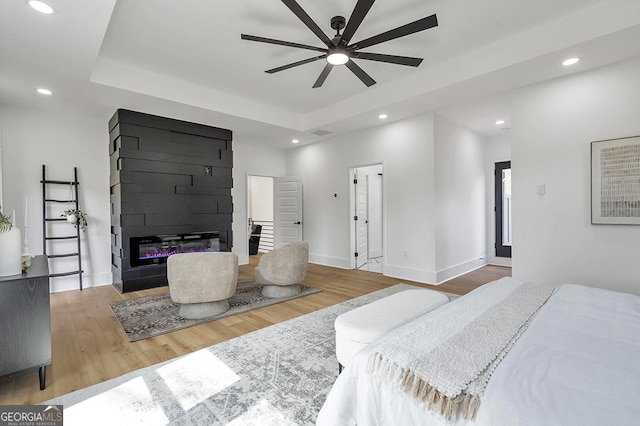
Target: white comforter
[578,363]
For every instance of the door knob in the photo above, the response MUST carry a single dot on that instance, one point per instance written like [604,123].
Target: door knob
[297,223]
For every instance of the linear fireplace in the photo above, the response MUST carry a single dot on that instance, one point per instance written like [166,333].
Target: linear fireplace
[151,250]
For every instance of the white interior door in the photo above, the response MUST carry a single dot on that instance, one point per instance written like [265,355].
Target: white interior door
[361,218]
[287,217]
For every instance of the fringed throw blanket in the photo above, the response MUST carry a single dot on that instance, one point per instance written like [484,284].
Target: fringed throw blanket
[446,359]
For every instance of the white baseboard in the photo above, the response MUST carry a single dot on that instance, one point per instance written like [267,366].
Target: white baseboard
[454,271]
[413,274]
[58,284]
[243,259]
[336,262]
[500,261]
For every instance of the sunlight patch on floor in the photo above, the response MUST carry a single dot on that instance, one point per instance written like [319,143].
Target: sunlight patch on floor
[196,377]
[262,413]
[116,405]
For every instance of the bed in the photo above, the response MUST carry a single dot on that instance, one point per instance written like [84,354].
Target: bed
[577,362]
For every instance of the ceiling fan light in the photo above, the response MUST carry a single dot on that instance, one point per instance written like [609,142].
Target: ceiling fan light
[337,58]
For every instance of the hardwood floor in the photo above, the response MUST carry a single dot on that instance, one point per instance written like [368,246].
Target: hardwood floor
[89,346]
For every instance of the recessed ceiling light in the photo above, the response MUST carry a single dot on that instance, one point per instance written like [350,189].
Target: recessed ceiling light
[382,116]
[44,91]
[41,7]
[570,61]
[499,122]
[295,141]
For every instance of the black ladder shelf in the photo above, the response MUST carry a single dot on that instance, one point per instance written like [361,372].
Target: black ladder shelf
[47,220]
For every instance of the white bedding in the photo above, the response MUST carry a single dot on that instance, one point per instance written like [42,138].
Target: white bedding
[578,363]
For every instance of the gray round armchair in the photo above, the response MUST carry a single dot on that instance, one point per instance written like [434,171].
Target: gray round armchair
[281,270]
[202,282]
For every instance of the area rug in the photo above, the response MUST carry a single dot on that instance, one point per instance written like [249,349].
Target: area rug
[279,375]
[149,316]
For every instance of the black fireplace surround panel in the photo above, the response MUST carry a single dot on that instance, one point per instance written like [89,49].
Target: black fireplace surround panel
[170,181]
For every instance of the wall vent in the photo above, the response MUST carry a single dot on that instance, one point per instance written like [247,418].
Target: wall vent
[321,132]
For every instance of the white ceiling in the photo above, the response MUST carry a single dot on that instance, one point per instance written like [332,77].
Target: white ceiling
[185,59]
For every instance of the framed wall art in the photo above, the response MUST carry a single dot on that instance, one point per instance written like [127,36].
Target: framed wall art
[615,181]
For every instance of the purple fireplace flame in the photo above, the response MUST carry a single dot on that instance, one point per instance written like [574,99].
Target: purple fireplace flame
[152,250]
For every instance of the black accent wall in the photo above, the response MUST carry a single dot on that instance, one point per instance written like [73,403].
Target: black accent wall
[167,177]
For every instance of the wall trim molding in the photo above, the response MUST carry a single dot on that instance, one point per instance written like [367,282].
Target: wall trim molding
[60,284]
[243,258]
[336,262]
[500,261]
[413,274]
[454,271]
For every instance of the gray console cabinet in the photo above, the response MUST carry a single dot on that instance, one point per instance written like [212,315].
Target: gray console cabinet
[25,322]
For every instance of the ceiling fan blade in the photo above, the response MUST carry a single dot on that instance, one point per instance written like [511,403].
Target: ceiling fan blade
[391,59]
[358,14]
[306,19]
[413,27]
[281,43]
[359,72]
[323,75]
[295,64]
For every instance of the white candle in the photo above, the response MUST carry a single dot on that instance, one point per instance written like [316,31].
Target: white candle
[26,210]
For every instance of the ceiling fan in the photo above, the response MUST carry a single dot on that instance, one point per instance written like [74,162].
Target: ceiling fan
[338,51]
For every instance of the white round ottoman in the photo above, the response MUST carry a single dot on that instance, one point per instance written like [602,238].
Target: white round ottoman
[359,327]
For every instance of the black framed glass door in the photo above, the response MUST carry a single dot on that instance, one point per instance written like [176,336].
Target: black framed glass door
[503,208]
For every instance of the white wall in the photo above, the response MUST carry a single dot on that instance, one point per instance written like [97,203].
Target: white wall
[497,149]
[249,159]
[553,125]
[460,199]
[374,207]
[60,141]
[31,138]
[405,148]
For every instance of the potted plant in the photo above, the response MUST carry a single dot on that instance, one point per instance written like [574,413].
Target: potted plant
[76,217]
[5,223]
[10,258]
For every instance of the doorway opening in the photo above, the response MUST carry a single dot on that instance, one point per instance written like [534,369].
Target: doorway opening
[260,213]
[367,218]
[503,208]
